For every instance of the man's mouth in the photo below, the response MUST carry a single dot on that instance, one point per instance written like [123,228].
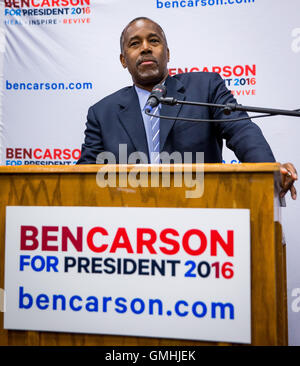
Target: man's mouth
[147,62]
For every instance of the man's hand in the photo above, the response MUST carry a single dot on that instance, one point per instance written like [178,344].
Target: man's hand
[288,177]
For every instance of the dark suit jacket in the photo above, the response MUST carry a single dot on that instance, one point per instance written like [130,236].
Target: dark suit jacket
[117,119]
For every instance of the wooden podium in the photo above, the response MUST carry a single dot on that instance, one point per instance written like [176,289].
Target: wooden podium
[251,186]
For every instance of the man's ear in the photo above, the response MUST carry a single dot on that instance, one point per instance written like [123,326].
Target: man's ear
[123,62]
[168,54]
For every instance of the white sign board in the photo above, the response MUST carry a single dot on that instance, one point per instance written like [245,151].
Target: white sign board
[156,272]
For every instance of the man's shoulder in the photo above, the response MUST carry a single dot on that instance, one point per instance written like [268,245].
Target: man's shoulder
[113,98]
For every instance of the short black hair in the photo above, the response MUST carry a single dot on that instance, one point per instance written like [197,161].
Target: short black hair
[133,21]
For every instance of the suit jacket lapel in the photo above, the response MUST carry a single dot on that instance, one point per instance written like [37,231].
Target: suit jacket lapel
[176,90]
[132,120]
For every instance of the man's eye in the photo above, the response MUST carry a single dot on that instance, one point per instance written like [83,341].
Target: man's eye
[154,40]
[132,44]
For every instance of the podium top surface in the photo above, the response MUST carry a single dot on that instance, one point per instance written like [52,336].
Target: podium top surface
[122,168]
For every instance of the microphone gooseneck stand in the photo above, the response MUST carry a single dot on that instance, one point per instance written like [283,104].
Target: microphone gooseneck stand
[227,109]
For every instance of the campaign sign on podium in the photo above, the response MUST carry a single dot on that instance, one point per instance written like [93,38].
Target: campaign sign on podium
[159,272]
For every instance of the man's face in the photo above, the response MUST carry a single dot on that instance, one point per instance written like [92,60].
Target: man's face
[145,53]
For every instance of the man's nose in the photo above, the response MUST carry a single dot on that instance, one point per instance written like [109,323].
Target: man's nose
[146,47]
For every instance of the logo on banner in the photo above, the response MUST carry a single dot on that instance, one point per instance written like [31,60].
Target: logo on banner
[47,86]
[47,12]
[240,79]
[169,4]
[112,269]
[41,156]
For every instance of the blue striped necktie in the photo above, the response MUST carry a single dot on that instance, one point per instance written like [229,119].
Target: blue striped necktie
[154,122]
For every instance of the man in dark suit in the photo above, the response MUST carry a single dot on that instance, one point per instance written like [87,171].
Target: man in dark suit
[119,119]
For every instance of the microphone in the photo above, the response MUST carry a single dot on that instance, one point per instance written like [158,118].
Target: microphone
[158,92]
